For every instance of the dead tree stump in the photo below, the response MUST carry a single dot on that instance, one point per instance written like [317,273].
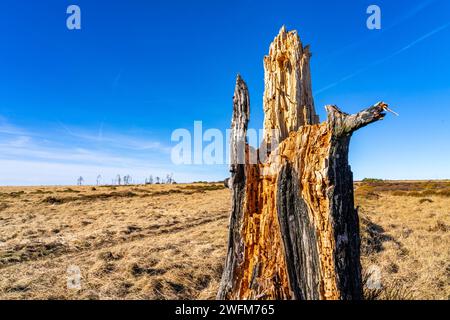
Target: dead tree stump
[294,231]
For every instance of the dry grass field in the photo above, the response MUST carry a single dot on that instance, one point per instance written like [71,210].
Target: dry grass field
[169,241]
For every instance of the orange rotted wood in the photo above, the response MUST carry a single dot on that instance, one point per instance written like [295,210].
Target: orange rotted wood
[294,231]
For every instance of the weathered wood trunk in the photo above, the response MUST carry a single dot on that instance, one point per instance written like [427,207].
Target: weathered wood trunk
[294,231]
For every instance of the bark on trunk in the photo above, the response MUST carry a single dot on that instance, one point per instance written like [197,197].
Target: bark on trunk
[294,231]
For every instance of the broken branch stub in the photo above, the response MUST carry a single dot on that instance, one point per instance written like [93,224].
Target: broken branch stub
[294,231]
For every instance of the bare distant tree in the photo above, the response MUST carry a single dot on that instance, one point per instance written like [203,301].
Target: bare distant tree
[169,178]
[80,181]
[118,179]
[157,180]
[99,177]
[149,180]
[127,179]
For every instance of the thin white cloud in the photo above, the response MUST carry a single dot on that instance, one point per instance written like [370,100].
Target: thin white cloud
[58,156]
[380,61]
[18,143]
[117,140]
[33,172]
[8,128]
[400,20]
[116,80]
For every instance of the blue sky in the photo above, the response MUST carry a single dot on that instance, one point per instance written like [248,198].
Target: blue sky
[105,99]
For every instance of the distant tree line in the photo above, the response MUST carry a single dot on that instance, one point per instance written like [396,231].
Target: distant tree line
[168,180]
[128,180]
